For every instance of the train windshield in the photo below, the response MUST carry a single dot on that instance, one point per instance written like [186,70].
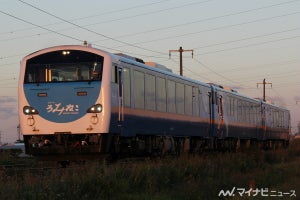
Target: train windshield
[64,66]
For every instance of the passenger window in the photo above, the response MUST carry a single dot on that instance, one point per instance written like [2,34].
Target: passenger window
[171,96]
[205,96]
[139,90]
[150,92]
[188,96]
[180,98]
[161,94]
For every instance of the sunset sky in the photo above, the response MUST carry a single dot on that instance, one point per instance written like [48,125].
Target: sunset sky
[236,43]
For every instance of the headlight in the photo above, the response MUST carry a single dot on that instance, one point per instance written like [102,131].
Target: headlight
[28,110]
[95,109]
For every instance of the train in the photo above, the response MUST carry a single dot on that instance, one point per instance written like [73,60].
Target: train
[77,99]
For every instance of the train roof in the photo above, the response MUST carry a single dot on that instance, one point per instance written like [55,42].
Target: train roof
[274,105]
[120,57]
[67,47]
[152,66]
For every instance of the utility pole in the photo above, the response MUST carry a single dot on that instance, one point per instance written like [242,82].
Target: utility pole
[180,50]
[264,88]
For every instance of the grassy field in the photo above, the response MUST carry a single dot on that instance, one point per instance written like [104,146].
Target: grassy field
[271,174]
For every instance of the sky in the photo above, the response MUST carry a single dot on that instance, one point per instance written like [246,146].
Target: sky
[236,43]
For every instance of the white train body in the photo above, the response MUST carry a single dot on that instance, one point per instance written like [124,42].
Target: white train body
[78,99]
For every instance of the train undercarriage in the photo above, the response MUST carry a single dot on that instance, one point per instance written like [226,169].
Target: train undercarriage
[139,145]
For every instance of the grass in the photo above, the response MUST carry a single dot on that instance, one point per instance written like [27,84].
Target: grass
[188,177]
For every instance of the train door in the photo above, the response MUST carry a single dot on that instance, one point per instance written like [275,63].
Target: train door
[217,114]
[196,97]
[220,117]
[212,111]
[120,94]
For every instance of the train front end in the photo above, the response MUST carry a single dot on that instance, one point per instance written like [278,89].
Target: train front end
[64,105]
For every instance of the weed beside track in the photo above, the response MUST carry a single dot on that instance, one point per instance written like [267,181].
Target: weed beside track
[187,177]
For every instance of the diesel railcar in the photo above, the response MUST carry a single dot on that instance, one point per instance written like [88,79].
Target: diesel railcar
[77,99]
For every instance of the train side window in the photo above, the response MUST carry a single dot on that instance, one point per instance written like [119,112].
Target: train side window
[232,106]
[282,118]
[171,96]
[150,92]
[239,112]
[180,98]
[247,113]
[244,113]
[254,110]
[126,85]
[251,118]
[272,118]
[188,100]
[228,105]
[235,109]
[251,113]
[161,94]
[256,115]
[205,97]
[249,110]
[139,90]
[259,115]
[277,122]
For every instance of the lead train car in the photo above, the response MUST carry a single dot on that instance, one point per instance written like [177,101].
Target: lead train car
[81,100]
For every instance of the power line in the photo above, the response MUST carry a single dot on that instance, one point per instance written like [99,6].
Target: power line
[291,1]
[280,63]
[250,10]
[49,30]
[91,16]
[250,45]
[249,38]
[86,29]
[8,79]
[123,9]
[230,14]
[217,28]
[52,31]
[276,92]
[167,27]
[208,19]
[194,73]
[152,12]
[213,71]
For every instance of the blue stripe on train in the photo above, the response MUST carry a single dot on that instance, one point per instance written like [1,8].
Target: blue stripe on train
[62,102]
